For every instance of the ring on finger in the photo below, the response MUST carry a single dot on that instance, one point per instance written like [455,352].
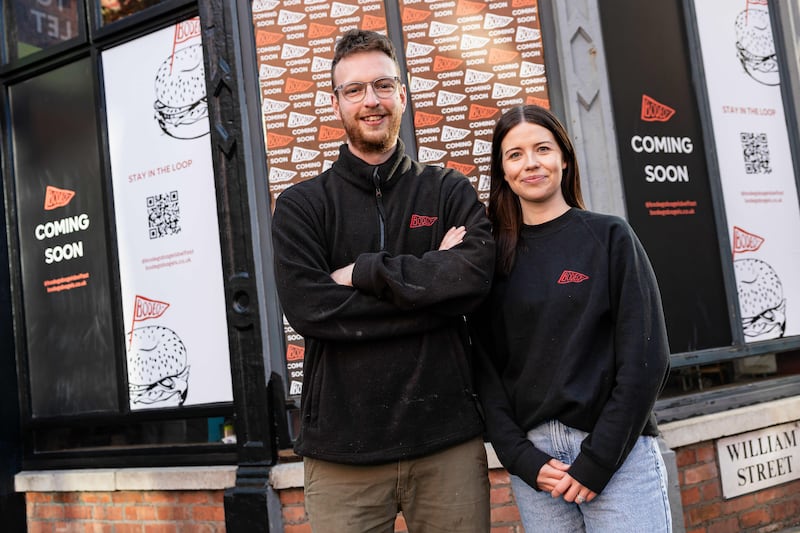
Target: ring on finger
[580,499]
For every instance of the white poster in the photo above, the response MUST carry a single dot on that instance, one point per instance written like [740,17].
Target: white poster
[756,169]
[166,220]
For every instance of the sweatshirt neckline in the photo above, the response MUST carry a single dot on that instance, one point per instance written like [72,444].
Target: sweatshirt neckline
[551,226]
[361,173]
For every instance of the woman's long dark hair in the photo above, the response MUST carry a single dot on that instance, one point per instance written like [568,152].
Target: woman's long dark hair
[504,209]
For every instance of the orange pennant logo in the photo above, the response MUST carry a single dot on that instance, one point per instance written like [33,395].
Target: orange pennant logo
[296,86]
[479,112]
[441,63]
[295,352]
[276,141]
[265,38]
[541,102]
[414,15]
[423,120]
[55,197]
[469,8]
[655,111]
[327,133]
[373,23]
[461,167]
[316,30]
[744,241]
[497,56]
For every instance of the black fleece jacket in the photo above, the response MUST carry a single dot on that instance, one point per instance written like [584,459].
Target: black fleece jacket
[387,368]
[574,333]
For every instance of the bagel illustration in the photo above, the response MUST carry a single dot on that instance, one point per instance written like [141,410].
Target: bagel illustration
[158,372]
[181,107]
[761,299]
[755,46]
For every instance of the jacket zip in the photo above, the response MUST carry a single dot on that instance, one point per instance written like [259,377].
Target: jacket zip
[381,213]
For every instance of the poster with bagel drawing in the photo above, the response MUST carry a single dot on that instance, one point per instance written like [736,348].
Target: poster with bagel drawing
[757,173]
[165,214]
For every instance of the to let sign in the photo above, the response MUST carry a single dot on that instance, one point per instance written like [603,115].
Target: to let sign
[753,461]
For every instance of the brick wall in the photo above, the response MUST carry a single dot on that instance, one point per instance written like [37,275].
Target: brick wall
[706,511]
[126,512]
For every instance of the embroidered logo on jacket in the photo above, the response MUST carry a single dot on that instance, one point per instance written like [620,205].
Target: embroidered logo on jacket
[570,276]
[420,221]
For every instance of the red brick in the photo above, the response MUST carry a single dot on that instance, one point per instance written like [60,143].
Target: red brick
[701,473]
[208,513]
[128,528]
[199,528]
[108,512]
[161,528]
[771,494]
[754,518]
[160,497]
[711,491]
[739,504]
[501,495]
[400,524]
[95,497]
[696,530]
[727,525]
[502,515]
[297,528]
[80,512]
[499,477]
[690,496]
[38,497]
[685,457]
[288,497]
[67,527]
[47,511]
[98,528]
[785,509]
[40,527]
[702,514]
[706,454]
[194,497]
[294,515]
[126,496]
[66,497]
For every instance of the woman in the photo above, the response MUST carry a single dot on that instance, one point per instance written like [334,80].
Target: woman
[571,345]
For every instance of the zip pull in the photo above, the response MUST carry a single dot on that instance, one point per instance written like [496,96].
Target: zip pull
[376,180]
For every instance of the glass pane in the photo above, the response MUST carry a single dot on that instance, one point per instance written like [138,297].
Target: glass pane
[113,10]
[36,25]
[733,373]
[66,283]
[200,430]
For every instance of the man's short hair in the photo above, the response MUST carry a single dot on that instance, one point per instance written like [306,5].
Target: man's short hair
[355,41]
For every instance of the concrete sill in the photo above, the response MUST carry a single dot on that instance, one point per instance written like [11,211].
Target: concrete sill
[117,479]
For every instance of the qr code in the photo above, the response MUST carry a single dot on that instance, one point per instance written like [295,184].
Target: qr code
[163,214]
[756,153]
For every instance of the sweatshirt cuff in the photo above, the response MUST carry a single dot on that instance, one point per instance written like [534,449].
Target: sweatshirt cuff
[361,274]
[528,464]
[590,474]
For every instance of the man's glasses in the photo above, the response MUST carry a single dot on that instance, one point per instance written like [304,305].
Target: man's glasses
[355,91]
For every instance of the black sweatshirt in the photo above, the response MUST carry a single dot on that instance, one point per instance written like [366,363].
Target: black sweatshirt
[574,333]
[387,362]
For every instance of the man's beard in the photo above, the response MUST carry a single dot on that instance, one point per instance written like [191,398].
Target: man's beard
[372,145]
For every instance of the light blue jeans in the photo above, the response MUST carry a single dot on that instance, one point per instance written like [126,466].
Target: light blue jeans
[634,500]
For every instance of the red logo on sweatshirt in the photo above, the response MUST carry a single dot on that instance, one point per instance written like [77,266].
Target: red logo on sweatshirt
[421,221]
[570,276]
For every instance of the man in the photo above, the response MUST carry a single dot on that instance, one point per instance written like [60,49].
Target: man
[377,260]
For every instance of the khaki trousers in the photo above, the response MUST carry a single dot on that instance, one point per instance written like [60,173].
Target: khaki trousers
[445,492]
